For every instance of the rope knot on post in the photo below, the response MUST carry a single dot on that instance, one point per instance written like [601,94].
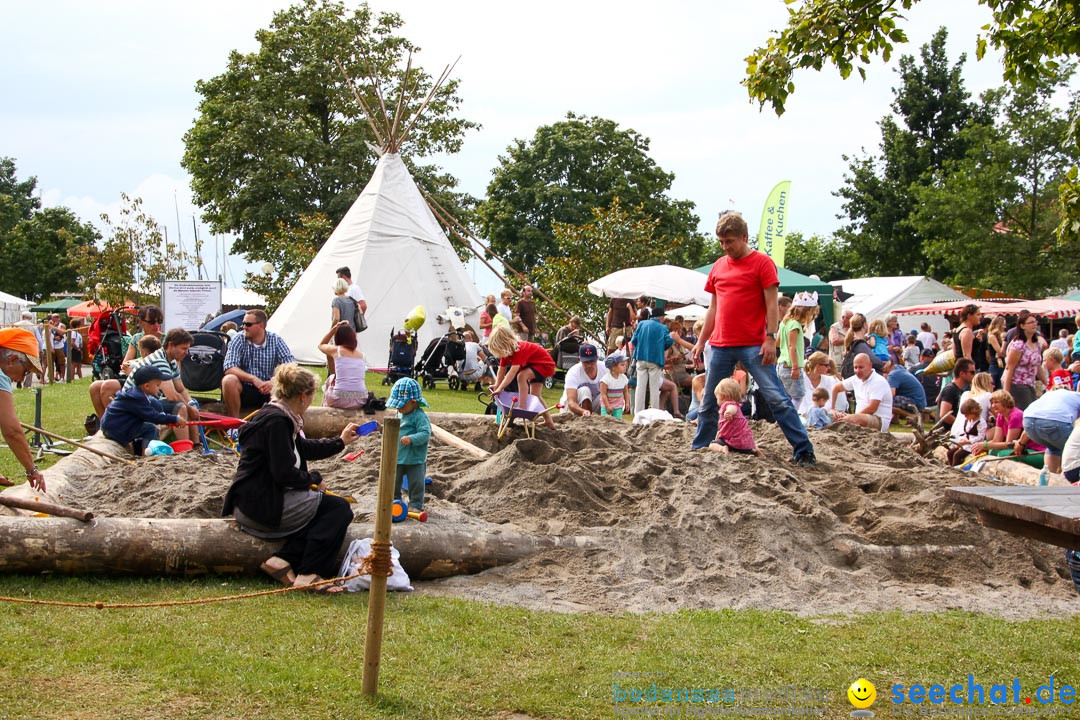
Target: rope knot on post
[379,562]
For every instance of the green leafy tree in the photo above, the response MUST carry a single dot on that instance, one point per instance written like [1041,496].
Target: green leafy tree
[134,258]
[989,217]
[280,133]
[289,250]
[1033,35]
[931,106]
[567,170]
[37,247]
[828,258]
[591,250]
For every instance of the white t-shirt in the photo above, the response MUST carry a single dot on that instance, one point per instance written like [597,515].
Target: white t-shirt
[470,364]
[873,388]
[827,382]
[576,377]
[615,386]
[355,293]
[1062,344]
[505,311]
[927,339]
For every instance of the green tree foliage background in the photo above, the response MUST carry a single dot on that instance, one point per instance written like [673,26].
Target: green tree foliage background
[39,248]
[1034,37]
[567,170]
[280,134]
[289,249]
[132,260]
[612,240]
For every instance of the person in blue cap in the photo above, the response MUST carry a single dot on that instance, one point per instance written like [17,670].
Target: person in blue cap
[414,434]
[135,413]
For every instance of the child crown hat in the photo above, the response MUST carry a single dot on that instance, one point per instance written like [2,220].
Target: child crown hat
[805,299]
[404,390]
[614,359]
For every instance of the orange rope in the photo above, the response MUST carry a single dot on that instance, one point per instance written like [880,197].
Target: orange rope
[175,603]
[378,563]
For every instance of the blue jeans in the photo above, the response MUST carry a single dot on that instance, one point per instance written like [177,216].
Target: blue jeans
[721,364]
[1052,434]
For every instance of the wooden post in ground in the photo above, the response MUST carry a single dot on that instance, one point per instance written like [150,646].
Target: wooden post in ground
[369,683]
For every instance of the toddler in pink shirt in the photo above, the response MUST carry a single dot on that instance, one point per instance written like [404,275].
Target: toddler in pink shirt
[733,432]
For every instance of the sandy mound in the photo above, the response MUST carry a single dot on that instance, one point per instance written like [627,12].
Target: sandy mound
[867,529]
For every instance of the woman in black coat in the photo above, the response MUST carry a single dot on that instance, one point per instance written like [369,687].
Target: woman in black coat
[271,496]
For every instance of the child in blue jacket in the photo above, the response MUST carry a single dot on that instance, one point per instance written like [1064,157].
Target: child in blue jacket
[414,434]
[134,414]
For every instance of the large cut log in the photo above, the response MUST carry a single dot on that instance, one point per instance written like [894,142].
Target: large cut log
[142,546]
[323,422]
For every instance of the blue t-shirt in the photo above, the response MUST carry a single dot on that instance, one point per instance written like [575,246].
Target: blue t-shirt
[1058,405]
[5,383]
[907,385]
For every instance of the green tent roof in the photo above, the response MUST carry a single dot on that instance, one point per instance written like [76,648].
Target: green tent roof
[56,305]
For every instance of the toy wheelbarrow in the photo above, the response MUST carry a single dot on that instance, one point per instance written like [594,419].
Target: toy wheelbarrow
[510,407]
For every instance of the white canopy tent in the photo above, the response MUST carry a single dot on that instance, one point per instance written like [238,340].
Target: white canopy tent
[667,282]
[878,296]
[400,258]
[12,308]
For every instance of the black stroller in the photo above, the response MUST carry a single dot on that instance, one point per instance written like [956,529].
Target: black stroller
[402,356]
[439,360]
[204,367]
[566,357]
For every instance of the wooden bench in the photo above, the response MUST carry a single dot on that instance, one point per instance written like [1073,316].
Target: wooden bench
[1048,514]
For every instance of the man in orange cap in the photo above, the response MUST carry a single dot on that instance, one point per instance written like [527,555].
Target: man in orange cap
[18,356]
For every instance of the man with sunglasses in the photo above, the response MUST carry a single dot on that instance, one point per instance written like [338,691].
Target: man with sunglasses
[250,363]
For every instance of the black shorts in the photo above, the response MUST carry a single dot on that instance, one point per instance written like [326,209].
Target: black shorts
[744,451]
[251,397]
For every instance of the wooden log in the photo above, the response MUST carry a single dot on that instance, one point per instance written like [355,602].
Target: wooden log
[47,508]
[448,438]
[1010,471]
[143,546]
[853,550]
[323,422]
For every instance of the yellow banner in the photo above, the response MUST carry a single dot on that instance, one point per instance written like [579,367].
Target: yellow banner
[772,235]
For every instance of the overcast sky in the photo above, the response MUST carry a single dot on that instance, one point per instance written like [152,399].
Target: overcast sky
[96,96]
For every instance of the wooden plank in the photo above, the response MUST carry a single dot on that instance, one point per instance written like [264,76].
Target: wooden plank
[1031,530]
[1046,506]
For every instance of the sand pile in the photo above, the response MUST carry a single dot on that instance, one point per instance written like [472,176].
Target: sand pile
[679,529]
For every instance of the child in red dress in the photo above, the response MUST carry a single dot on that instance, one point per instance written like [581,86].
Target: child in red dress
[525,361]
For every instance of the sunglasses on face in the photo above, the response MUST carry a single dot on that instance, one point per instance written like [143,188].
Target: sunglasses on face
[249,324]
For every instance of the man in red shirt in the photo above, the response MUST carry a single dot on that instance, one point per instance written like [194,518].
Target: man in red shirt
[741,326]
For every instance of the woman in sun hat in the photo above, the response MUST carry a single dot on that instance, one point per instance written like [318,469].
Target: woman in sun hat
[18,357]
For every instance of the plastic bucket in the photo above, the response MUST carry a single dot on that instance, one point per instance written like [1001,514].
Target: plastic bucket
[182,445]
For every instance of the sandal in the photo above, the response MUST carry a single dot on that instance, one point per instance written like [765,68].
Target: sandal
[320,589]
[283,574]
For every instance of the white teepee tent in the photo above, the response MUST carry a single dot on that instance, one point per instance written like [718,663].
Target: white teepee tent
[400,258]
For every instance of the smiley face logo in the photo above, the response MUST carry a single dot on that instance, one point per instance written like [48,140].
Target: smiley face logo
[862,694]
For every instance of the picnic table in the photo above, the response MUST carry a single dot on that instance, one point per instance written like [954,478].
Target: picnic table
[1048,514]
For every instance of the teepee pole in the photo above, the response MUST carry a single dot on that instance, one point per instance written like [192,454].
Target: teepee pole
[461,231]
[434,89]
[368,115]
[401,97]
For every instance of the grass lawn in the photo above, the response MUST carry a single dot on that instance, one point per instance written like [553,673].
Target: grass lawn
[290,656]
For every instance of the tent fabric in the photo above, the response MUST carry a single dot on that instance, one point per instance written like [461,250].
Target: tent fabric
[876,297]
[400,258]
[56,306]
[1048,309]
[91,309]
[666,282]
[12,308]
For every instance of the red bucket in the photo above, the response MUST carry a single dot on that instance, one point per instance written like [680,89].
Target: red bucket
[182,445]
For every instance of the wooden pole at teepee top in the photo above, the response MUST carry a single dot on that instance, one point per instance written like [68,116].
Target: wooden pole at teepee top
[369,683]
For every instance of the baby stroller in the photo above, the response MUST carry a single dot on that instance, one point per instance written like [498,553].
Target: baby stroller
[440,359]
[103,343]
[566,357]
[203,369]
[402,356]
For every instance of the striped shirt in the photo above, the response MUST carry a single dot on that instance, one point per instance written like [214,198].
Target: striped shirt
[259,360]
[158,360]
